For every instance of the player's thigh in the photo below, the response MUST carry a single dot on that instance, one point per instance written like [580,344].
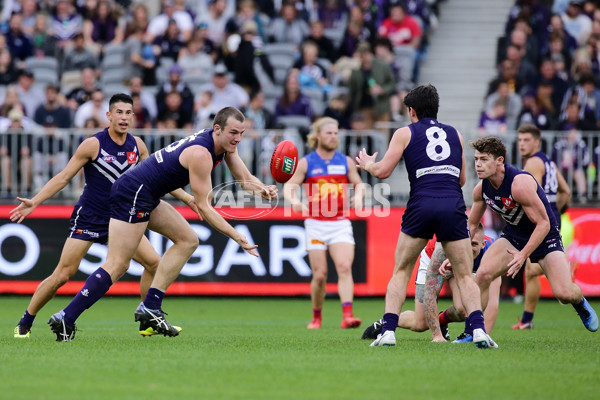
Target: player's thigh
[460,255]
[495,260]
[167,221]
[318,262]
[123,241]
[342,254]
[556,268]
[146,255]
[407,251]
[72,253]
[533,269]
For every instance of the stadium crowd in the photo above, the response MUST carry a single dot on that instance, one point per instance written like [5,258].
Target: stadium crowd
[548,63]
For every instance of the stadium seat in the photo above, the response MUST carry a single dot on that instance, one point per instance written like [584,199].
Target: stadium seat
[272,95]
[316,97]
[405,61]
[112,61]
[37,63]
[70,80]
[44,77]
[112,76]
[294,121]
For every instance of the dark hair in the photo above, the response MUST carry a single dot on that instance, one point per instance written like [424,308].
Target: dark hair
[424,100]
[223,115]
[490,145]
[530,128]
[119,98]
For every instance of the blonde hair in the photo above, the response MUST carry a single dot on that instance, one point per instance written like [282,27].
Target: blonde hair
[311,139]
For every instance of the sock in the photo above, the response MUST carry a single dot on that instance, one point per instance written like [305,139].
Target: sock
[579,306]
[527,317]
[476,320]
[390,322]
[347,309]
[316,313]
[154,298]
[468,328]
[27,319]
[96,285]
[443,318]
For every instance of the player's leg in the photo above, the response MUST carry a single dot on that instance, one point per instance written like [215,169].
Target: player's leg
[557,271]
[318,264]
[491,311]
[493,264]
[342,254]
[149,259]
[407,252]
[532,294]
[70,258]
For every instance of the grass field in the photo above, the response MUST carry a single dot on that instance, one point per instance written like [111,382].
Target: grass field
[244,348]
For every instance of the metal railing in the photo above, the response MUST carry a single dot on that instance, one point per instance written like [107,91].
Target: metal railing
[29,160]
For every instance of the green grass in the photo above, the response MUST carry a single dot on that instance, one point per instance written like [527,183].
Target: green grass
[244,348]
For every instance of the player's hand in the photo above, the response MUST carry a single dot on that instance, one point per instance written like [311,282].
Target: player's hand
[269,192]
[19,213]
[363,159]
[300,208]
[514,266]
[243,242]
[446,269]
[192,205]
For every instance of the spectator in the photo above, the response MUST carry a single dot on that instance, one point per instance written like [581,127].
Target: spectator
[142,60]
[526,42]
[570,154]
[247,12]
[557,47]
[312,73]
[336,109]
[401,28]
[18,129]
[333,14]
[402,75]
[44,44]
[65,23]
[28,15]
[355,33]
[511,100]
[136,88]
[79,57]
[534,111]
[168,45]
[50,153]
[326,48]
[525,70]
[576,22]
[204,115]
[557,26]
[82,94]
[18,43]
[224,93]
[364,138]
[251,47]
[175,85]
[371,87]
[560,85]
[215,18]
[95,108]
[534,12]
[11,100]
[142,118]
[591,94]
[576,115]
[159,24]
[139,20]
[176,111]
[493,122]
[194,62]
[8,71]
[30,96]
[372,14]
[105,26]
[256,111]
[288,27]
[293,102]
[545,96]
[507,73]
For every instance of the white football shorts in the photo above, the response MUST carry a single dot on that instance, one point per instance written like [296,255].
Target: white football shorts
[320,234]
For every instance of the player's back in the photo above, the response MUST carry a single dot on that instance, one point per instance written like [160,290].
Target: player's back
[112,161]
[433,159]
[501,201]
[162,172]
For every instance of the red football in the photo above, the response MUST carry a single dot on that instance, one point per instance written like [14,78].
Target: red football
[284,161]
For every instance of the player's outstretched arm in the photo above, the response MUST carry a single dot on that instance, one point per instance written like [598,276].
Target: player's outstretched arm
[384,168]
[290,188]
[249,182]
[478,208]
[199,162]
[524,192]
[357,183]
[86,152]
[433,286]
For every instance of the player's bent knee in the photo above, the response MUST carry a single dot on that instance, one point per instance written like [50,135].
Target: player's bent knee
[567,295]
[483,278]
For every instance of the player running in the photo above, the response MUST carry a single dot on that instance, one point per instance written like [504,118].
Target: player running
[531,229]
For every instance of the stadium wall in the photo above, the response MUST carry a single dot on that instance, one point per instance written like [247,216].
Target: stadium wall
[30,251]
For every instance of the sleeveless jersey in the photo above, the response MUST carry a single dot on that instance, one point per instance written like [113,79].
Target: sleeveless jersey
[433,159]
[162,172]
[111,162]
[326,186]
[549,182]
[501,201]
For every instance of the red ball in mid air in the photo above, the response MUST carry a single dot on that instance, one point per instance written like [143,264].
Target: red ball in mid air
[284,161]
